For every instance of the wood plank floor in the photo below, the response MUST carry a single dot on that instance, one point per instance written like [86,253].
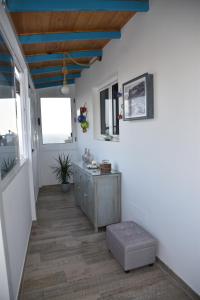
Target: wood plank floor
[67,261]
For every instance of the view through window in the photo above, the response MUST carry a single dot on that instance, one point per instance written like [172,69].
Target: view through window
[109,110]
[56,120]
[9,107]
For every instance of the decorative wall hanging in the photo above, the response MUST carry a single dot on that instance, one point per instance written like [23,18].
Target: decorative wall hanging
[138,98]
[82,118]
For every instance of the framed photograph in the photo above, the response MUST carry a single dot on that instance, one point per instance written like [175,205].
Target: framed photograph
[138,98]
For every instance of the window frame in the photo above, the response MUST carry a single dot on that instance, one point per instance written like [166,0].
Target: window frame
[23,72]
[109,87]
[22,151]
[19,113]
[72,127]
[20,158]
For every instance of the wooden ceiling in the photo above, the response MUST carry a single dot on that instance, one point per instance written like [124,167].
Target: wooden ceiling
[51,31]
[61,47]
[70,21]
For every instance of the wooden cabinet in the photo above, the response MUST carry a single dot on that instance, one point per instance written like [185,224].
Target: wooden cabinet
[98,195]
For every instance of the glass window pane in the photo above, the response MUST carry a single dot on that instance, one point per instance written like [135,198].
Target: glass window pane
[109,110]
[104,110]
[56,120]
[107,120]
[9,142]
[115,109]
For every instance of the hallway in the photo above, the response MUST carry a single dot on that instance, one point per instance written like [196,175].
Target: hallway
[67,260]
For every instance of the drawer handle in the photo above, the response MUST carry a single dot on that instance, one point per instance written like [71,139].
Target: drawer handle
[85,195]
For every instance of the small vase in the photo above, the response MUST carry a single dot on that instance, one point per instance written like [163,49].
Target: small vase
[89,157]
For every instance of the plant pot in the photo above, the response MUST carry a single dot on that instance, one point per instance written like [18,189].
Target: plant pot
[65,187]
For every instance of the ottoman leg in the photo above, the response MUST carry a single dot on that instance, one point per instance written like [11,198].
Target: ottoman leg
[151,265]
[127,271]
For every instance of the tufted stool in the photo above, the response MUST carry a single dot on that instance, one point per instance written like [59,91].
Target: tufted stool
[131,245]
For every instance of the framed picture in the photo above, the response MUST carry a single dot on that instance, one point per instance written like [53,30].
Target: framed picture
[138,98]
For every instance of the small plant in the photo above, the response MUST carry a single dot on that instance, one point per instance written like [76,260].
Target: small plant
[63,170]
[7,165]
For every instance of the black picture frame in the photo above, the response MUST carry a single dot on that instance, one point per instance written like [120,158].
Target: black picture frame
[138,98]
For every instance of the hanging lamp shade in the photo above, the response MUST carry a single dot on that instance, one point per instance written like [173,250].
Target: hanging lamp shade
[65,90]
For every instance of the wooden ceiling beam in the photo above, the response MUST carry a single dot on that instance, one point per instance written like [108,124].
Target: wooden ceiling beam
[57,63]
[68,36]
[58,83]
[77,5]
[6,58]
[56,78]
[5,82]
[56,69]
[60,56]
[53,74]
[5,69]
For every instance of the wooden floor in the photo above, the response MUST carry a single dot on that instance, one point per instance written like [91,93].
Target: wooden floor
[67,260]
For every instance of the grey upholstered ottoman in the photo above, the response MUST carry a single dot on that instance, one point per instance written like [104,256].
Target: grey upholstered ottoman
[131,245]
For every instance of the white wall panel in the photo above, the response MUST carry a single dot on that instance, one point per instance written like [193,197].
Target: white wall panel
[17,218]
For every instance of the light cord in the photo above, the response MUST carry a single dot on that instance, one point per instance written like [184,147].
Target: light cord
[77,63]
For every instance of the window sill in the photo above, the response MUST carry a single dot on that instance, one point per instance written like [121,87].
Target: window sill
[58,147]
[55,144]
[12,174]
[114,139]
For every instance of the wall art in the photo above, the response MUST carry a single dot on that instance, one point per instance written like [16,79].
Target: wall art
[138,98]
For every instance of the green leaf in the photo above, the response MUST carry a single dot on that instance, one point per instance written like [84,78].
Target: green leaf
[63,169]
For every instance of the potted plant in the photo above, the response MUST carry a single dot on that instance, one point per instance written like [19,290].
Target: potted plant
[63,171]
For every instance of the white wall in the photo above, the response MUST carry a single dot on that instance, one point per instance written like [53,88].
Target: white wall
[17,216]
[4,285]
[35,157]
[48,153]
[160,158]
[4,288]
[35,139]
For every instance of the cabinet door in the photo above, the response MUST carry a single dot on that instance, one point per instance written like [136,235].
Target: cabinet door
[89,198]
[76,185]
[87,201]
[108,199]
[83,192]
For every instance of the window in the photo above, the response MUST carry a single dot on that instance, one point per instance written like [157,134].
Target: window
[10,124]
[109,110]
[56,120]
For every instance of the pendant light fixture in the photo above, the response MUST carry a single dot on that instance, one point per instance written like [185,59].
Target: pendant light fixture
[65,88]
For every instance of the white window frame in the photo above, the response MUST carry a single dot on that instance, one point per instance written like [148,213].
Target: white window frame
[23,156]
[115,137]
